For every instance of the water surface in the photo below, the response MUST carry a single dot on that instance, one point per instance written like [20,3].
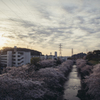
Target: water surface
[72,86]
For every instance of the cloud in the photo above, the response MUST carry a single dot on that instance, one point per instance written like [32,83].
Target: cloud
[23,23]
[74,23]
[70,9]
[11,37]
[22,36]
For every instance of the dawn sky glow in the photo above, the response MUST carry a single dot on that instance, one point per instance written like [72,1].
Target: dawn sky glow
[43,24]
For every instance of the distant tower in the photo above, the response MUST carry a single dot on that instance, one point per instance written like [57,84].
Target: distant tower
[50,53]
[60,49]
[72,51]
[55,54]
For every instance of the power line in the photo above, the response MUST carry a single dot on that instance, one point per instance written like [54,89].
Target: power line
[13,11]
[4,33]
[10,9]
[3,13]
[26,7]
[13,2]
[17,8]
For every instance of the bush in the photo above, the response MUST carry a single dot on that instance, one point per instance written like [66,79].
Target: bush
[23,83]
[19,89]
[58,61]
[92,78]
[45,64]
[93,56]
[80,63]
[22,72]
[35,60]
[93,83]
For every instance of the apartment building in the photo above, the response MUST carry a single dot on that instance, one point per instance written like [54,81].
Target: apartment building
[16,58]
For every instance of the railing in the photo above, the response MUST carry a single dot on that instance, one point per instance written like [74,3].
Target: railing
[18,57]
[4,63]
[2,60]
[22,60]
[3,55]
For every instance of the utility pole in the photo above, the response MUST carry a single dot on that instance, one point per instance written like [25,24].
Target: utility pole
[86,51]
[72,51]
[60,49]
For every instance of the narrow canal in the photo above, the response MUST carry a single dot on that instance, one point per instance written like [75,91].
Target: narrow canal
[72,85]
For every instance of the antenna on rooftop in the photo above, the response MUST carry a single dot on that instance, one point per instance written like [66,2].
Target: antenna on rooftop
[15,48]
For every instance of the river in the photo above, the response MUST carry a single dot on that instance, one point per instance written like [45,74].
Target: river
[71,86]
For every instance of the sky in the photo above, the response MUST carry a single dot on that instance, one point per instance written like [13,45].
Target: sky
[45,24]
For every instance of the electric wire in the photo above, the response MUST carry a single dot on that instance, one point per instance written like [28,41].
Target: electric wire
[26,7]
[10,9]
[13,2]
[13,12]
